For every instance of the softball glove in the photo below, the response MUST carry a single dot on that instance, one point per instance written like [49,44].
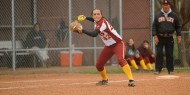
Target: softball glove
[75,26]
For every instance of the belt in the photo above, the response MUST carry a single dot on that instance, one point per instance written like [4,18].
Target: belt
[165,35]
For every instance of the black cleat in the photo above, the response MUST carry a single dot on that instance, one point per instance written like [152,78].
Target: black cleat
[131,83]
[103,82]
[170,72]
[157,72]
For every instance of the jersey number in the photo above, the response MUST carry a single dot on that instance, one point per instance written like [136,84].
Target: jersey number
[106,37]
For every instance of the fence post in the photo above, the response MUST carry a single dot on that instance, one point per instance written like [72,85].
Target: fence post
[35,12]
[13,35]
[70,37]
[95,51]
[120,18]
[152,19]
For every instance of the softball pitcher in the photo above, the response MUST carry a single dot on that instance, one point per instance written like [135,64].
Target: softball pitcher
[113,45]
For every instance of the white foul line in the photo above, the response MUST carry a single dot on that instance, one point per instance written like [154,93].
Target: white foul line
[31,81]
[37,86]
[65,84]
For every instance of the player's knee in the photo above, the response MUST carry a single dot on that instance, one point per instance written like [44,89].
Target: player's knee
[152,60]
[122,62]
[99,67]
[140,58]
[132,58]
[146,59]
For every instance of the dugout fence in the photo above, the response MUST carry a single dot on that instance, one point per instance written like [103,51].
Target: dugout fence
[54,16]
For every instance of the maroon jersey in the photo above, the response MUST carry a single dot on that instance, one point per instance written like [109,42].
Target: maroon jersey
[108,34]
[144,52]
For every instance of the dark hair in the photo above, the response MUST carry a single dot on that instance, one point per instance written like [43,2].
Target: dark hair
[62,24]
[145,41]
[96,9]
[149,48]
[133,46]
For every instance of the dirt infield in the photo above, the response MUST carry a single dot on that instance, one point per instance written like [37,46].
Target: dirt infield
[84,84]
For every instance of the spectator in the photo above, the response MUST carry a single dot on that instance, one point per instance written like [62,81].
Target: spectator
[133,56]
[147,53]
[37,40]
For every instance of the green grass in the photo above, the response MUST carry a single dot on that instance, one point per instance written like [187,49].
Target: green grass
[96,72]
[118,71]
[180,70]
[80,70]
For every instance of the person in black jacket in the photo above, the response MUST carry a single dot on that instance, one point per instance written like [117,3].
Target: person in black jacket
[36,40]
[165,24]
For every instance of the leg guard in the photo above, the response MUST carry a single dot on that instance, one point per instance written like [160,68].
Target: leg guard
[142,63]
[127,71]
[149,66]
[133,63]
[103,74]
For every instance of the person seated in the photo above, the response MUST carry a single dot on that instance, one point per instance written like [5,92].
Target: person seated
[147,53]
[133,56]
[36,40]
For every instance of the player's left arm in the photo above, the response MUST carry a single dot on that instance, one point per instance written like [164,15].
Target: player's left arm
[93,33]
[90,19]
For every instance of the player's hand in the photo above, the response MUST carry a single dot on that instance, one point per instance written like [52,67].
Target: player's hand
[179,39]
[81,18]
[156,40]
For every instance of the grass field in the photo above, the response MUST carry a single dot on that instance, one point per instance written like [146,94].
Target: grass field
[79,70]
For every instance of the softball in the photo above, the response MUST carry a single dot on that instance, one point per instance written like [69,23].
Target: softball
[81,18]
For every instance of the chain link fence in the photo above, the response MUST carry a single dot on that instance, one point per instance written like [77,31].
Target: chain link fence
[17,19]
[54,16]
